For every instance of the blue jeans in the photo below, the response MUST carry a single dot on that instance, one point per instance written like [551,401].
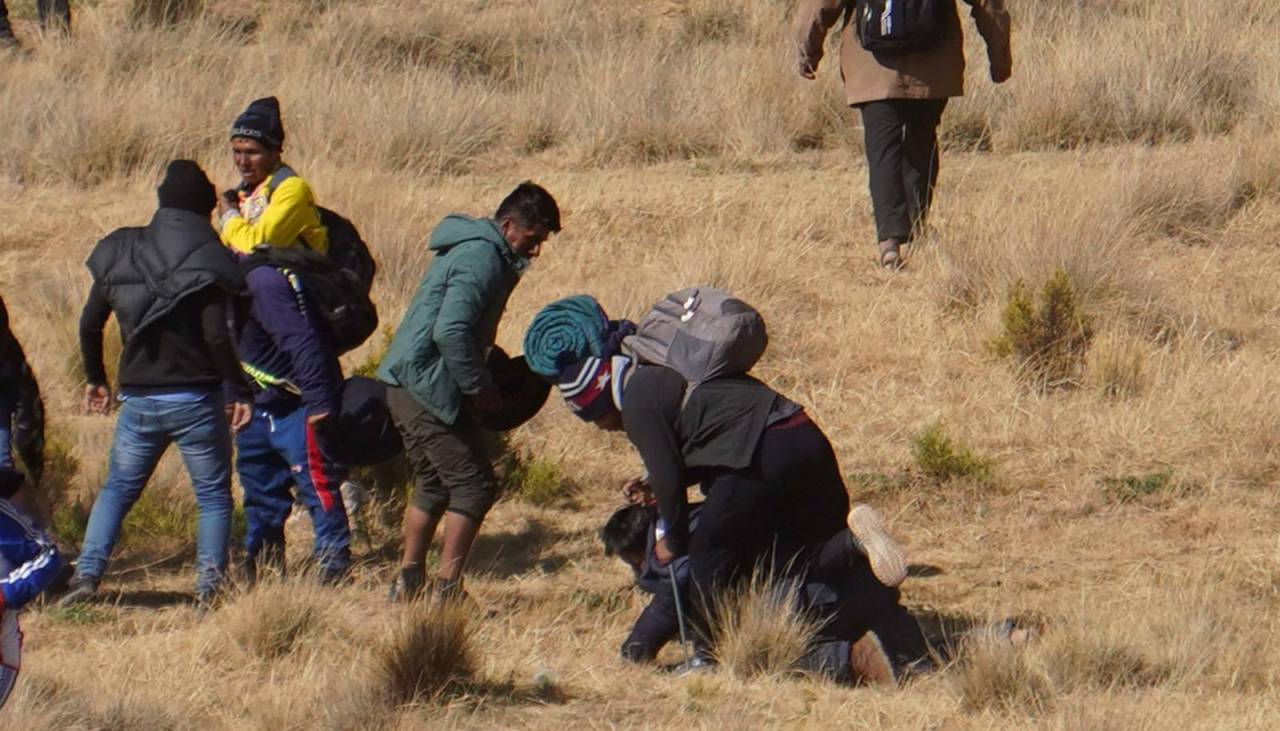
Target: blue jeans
[144,430]
[277,452]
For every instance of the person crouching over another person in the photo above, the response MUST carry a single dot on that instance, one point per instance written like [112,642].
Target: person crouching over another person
[865,636]
[168,284]
[435,368]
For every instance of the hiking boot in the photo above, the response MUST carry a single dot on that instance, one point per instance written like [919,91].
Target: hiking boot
[82,589]
[408,584]
[888,562]
[870,663]
[891,254]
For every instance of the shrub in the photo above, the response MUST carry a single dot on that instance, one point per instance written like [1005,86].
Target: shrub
[1048,336]
[941,459]
[759,629]
[1133,487]
[430,652]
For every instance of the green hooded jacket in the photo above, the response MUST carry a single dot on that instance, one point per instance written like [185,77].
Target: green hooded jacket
[438,352]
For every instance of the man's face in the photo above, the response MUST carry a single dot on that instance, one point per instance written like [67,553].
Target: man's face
[526,241]
[254,161]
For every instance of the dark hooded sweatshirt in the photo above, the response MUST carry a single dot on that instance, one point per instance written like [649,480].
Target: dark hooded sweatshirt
[169,284]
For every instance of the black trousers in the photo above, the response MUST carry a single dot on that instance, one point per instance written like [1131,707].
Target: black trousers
[774,514]
[901,137]
[53,14]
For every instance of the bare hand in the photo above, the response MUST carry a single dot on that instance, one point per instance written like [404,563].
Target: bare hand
[637,492]
[226,202]
[488,399]
[241,414]
[662,553]
[97,399]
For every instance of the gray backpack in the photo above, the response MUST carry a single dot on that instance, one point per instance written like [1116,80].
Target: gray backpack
[701,333]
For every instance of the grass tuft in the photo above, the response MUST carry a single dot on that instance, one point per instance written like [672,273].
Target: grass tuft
[1047,335]
[431,652]
[941,458]
[759,629]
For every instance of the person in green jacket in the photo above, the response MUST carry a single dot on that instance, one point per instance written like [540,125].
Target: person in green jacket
[436,377]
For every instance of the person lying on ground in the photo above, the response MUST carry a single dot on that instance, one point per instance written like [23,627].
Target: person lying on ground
[438,382]
[29,563]
[866,635]
[168,284]
[273,205]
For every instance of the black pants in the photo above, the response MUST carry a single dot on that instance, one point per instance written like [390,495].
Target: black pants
[842,589]
[902,161]
[54,14]
[774,513]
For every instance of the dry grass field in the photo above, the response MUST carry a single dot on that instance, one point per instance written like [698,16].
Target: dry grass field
[1129,506]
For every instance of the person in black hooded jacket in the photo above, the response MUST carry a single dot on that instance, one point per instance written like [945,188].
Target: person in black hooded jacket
[170,285]
[21,409]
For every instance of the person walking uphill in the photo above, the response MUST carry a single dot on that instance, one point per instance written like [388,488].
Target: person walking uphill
[900,63]
[168,284]
[272,206]
[435,366]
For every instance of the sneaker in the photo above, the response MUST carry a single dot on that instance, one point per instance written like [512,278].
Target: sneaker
[408,584]
[888,562]
[354,498]
[870,663]
[83,589]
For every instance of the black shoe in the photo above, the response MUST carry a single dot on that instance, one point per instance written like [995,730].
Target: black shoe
[408,584]
[83,589]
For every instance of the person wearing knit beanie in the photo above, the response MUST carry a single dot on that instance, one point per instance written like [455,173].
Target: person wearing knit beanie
[261,122]
[186,187]
[272,205]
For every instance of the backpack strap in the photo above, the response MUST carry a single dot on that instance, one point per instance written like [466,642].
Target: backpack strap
[283,173]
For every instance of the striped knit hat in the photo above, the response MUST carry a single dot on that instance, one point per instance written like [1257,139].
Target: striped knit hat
[593,386]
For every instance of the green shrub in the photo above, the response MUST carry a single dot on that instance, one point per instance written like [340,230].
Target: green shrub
[941,459]
[1048,335]
[1134,487]
[537,481]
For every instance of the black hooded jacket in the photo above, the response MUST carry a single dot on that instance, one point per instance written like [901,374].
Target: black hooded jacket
[169,284]
[19,390]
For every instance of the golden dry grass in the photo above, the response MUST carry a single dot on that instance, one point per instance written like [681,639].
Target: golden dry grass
[1134,150]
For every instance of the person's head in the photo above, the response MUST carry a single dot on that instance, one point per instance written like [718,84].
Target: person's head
[257,141]
[186,187]
[626,535]
[527,216]
[592,388]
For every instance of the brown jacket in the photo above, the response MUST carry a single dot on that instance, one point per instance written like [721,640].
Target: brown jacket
[937,73]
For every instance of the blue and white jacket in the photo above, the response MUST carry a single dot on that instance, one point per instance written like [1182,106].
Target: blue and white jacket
[29,561]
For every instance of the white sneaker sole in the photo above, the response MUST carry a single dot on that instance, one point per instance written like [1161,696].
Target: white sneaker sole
[888,561]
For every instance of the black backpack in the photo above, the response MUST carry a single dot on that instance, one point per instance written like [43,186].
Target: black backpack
[338,283]
[894,26]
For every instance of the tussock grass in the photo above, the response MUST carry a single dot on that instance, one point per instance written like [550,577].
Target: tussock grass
[275,618]
[759,629]
[429,653]
[940,458]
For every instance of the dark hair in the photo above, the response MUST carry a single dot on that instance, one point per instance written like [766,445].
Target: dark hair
[531,205]
[627,531]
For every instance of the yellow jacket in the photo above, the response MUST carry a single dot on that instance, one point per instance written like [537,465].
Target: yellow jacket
[276,217]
